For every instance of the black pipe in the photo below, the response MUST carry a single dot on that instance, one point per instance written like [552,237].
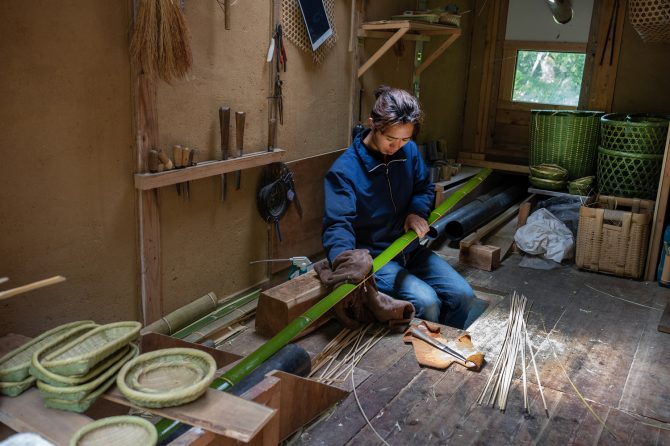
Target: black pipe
[476,213]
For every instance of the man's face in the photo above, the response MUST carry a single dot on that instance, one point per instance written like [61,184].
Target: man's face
[391,139]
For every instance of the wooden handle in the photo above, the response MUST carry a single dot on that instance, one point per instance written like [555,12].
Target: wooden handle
[193,157]
[185,156]
[224,126]
[167,162]
[177,153]
[226,13]
[272,134]
[153,161]
[31,286]
[239,131]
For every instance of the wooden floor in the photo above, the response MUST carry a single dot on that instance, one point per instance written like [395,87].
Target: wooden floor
[600,330]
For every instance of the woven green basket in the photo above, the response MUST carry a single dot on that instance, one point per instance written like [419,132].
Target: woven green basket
[16,388]
[630,175]
[634,133]
[568,138]
[124,430]
[79,406]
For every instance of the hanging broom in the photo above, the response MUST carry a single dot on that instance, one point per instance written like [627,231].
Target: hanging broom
[160,44]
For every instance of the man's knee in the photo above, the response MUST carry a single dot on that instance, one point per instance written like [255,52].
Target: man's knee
[428,306]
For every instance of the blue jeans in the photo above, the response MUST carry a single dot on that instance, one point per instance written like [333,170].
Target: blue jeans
[437,291]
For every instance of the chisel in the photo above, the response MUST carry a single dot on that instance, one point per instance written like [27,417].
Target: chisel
[224,124]
[239,133]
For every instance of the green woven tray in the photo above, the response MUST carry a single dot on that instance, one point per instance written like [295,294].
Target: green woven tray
[167,377]
[80,355]
[629,175]
[544,183]
[123,430]
[568,138]
[82,405]
[77,393]
[549,172]
[17,388]
[15,364]
[634,133]
[56,380]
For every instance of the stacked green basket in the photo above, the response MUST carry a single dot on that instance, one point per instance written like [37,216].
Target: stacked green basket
[631,155]
[568,138]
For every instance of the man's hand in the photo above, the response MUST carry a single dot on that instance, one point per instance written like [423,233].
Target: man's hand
[418,224]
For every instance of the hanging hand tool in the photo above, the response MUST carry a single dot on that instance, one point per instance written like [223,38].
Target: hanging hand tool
[279,98]
[280,49]
[224,124]
[226,13]
[177,154]
[153,161]
[272,134]
[239,134]
[167,162]
[185,156]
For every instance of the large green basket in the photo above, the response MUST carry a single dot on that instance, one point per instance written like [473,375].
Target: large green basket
[631,175]
[634,133]
[568,138]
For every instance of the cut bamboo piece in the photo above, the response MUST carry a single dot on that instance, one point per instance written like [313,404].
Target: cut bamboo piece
[178,319]
[31,286]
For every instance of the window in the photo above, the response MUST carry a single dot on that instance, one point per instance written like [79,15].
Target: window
[548,77]
[545,73]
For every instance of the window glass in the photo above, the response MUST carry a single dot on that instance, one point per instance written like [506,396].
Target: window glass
[548,77]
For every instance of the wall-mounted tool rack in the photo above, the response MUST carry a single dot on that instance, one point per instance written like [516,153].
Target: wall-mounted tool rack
[204,169]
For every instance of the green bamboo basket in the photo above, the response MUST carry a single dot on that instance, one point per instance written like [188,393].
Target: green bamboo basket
[547,184]
[628,175]
[634,133]
[15,365]
[82,354]
[16,388]
[122,430]
[167,377]
[79,392]
[82,405]
[42,374]
[568,138]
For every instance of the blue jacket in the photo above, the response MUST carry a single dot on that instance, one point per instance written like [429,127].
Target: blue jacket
[367,200]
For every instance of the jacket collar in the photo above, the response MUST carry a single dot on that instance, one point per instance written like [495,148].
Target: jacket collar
[367,158]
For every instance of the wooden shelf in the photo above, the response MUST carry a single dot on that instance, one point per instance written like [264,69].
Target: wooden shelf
[394,30]
[147,181]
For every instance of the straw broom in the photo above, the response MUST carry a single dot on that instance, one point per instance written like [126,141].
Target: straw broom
[160,43]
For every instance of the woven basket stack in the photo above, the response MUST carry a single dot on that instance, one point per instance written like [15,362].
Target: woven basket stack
[548,176]
[71,364]
[631,154]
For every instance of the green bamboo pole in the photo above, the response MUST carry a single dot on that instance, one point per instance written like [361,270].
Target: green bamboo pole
[248,364]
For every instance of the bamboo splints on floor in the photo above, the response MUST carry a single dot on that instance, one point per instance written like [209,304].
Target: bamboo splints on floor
[338,371]
[516,340]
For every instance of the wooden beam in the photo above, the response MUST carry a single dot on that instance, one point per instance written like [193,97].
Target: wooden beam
[383,49]
[145,122]
[516,168]
[388,34]
[660,210]
[148,181]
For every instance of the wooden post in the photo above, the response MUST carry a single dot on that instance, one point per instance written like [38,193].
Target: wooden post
[145,121]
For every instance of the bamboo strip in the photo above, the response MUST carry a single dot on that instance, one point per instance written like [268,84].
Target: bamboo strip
[31,286]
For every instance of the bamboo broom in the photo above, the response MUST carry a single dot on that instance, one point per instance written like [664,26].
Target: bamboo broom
[166,427]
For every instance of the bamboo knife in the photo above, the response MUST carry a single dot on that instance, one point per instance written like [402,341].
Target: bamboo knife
[224,124]
[437,344]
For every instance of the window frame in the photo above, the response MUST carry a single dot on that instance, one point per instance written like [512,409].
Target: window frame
[508,69]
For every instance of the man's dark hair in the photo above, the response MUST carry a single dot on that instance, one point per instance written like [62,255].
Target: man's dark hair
[394,106]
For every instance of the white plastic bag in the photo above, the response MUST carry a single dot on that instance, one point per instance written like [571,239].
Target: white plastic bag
[545,235]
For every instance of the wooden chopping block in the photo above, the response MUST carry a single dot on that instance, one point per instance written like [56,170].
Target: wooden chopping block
[486,257]
[280,305]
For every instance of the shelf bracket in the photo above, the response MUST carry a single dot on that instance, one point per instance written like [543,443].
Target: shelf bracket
[384,48]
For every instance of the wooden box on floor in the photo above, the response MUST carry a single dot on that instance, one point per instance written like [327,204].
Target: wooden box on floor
[613,236]
[280,305]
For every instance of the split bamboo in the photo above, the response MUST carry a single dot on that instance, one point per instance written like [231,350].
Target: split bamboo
[166,427]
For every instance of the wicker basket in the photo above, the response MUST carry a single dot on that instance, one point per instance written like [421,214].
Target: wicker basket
[634,133]
[82,405]
[612,240]
[82,354]
[81,391]
[167,377]
[122,430]
[568,138]
[651,19]
[14,365]
[16,388]
[632,175]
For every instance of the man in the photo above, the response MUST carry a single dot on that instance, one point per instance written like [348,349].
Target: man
[380,188]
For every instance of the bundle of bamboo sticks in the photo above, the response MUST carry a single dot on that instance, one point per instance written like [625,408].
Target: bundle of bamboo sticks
[514,345]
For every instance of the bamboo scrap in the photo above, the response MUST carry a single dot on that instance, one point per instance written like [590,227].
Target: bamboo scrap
[31,286]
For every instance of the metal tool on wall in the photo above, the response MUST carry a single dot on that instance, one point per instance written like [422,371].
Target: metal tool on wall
[224,126]
[239,136]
